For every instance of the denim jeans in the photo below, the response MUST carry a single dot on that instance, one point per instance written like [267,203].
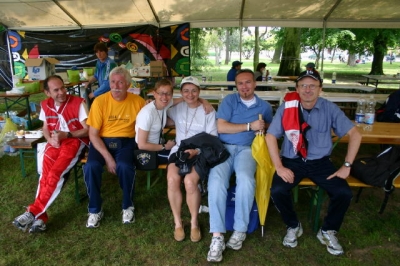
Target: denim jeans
[337,189]
[242,163]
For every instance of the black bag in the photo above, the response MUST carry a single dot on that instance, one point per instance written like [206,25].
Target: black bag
[379,170]
[145,160]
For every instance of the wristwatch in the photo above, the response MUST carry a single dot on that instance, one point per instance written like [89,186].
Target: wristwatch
[163,147]
[69,135]
[347,164]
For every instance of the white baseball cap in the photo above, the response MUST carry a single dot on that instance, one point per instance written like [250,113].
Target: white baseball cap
[190,79]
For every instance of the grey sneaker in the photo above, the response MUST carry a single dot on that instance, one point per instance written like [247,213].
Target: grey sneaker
[216,248]
[236,240]
[37,226]
[94,219]
[128,216]
[329,239]
[290,239]
[23,221]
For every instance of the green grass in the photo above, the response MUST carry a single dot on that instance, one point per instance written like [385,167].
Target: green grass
[367,237]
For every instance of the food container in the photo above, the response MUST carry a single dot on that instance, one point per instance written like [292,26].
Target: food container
[33,134]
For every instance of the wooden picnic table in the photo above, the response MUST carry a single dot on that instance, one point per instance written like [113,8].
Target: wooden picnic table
[377,133]
[382,79]
[11,100]
[290,84]
[26,148]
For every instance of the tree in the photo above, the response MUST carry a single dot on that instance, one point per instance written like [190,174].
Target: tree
[232,39]
[213,40]
[374,41]
[198,50]
[290,65]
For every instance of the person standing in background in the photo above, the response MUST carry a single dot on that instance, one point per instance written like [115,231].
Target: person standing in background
[310,67]
[258,74]
[236,66]
[104,65]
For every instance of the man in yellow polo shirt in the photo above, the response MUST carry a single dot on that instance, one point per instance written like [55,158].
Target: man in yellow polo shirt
[111,123]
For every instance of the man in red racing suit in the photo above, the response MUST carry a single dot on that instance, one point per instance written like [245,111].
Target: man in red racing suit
[64,127]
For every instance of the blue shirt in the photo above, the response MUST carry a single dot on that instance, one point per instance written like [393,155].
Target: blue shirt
[103,70]
[231,77]
[233,110]
[323,118]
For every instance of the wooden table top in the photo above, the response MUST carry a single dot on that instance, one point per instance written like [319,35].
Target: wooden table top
[25,143]
[378,133]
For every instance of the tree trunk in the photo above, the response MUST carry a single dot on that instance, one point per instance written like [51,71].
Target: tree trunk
[256,57]
[352,59]
[227,48]
[380,49]
[290,64]
[276,59]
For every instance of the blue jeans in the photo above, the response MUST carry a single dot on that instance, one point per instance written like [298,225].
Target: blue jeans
[337,189]
[242,163]
[93,169]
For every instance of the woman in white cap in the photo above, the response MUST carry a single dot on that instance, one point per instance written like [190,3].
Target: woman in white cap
[189,119]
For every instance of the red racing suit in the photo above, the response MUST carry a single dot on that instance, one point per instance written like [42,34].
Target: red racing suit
[57,161]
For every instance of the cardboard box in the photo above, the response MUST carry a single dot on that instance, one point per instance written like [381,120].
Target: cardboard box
[143,71]
[41,68]
[137,59]
[157,69]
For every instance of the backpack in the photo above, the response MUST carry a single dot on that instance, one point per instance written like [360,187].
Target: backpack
[230,212]
[390,110]
[380,170]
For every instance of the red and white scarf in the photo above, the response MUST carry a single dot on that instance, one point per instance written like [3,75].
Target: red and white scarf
[294,125]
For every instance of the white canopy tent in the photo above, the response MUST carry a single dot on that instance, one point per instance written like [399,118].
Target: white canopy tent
[45,15]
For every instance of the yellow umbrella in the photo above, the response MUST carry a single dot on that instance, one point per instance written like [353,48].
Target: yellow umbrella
[264,173]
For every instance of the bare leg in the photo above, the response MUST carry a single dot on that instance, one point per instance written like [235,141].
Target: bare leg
[193,196]
[175,193]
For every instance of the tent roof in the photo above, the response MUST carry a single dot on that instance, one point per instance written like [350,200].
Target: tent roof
[75,14]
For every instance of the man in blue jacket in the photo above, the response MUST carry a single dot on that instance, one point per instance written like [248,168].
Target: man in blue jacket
[236,66]
[104,65]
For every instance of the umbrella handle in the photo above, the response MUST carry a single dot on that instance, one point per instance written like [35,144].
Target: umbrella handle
[260,118]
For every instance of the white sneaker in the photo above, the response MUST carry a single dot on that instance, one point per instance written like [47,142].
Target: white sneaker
[37,226]
[128,215]
[216,248]
[236,240]
[94,219]
[23,221]
[329,239]
[290,240]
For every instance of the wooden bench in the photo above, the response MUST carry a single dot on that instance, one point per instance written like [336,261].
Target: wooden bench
[79,173]
[317,197]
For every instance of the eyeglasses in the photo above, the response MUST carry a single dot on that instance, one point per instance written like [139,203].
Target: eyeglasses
[310,86]
[166,94]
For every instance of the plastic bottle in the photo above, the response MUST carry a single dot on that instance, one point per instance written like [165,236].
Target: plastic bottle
[269,75]
[203,209]
[370,111]
[221,96]
[360,111]
[333,77]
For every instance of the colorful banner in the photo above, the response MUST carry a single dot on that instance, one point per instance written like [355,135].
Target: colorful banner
[75,48]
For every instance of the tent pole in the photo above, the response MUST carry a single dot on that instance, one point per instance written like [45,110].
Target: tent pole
[240,40]
[323,44]
[10,57]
